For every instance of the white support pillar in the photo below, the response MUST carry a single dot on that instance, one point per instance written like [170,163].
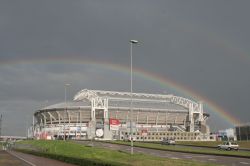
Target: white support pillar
[106,116]
[78,118]
[147,119]
[137,117]
[127,117]
[92,109]
[50,119]
[191,117]
[116,114]
[175,120]
[59,117]
[44,119]
[166,118]
[184,122]
[80,115]
[157,117]
[201,111]
[68,117]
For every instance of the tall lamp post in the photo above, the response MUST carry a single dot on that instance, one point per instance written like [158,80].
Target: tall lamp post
[1,117]
[65,109]
[132,42]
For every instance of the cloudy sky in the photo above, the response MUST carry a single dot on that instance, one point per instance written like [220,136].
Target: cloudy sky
[201,45]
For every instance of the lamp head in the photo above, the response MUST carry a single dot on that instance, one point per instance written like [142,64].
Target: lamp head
[133,41]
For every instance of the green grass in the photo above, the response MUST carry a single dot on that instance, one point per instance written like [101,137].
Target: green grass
[108,157]
[242,144]
[188,149]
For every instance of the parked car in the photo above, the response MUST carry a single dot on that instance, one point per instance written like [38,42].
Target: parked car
[228,146]
[168,142]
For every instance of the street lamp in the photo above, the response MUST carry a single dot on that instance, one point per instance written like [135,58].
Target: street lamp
[1,117]
[131,93]
[65,109]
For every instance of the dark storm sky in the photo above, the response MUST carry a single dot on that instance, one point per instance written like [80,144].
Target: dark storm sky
[203,45]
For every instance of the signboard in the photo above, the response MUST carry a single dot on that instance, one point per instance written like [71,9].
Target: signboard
[114,124]
[99,132]
[144,132]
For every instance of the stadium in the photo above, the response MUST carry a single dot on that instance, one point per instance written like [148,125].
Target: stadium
[110,115]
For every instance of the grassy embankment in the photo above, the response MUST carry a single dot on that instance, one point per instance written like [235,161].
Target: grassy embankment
[84,155]
[187,149]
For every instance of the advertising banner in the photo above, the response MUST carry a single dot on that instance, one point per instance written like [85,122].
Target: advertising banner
[144,132]
[114,124]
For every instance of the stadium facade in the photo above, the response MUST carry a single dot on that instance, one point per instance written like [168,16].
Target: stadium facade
[107,115]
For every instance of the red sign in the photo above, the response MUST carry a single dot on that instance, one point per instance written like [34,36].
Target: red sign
[114,122]
[144,132]
[43,135]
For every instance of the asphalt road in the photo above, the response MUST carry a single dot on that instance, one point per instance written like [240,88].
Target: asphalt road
[204,147]
[221,160]
[12,158]
[7,159]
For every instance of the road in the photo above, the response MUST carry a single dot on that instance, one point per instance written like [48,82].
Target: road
[7,159]
[12,158]
[204,147]
[221,160]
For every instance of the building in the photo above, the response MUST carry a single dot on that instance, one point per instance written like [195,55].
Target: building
[243,132]
[106,115]
[226,135]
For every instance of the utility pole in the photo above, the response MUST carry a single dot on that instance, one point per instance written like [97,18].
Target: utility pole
[1,117]
[65,111]
[132,42]
[33,126]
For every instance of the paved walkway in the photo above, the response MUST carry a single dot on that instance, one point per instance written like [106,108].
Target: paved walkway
[8,160]
[14,158]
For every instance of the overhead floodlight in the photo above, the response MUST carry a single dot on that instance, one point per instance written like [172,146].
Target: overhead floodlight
[134,41]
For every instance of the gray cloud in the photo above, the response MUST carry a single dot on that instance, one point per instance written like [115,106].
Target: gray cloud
[200,44]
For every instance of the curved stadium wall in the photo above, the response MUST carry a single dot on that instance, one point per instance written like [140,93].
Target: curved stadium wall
[92,112]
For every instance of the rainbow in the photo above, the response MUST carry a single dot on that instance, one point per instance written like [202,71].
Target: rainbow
[156,78]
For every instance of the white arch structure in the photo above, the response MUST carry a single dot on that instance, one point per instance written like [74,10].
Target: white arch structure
[99,99]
